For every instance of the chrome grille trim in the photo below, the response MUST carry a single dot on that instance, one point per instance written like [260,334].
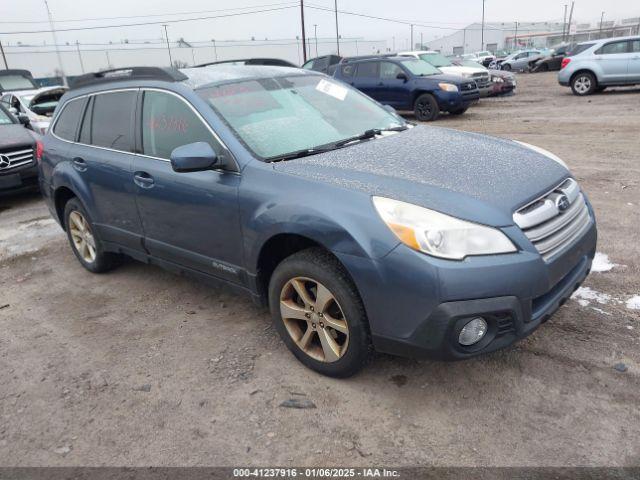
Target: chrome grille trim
[15,159]
[548,228]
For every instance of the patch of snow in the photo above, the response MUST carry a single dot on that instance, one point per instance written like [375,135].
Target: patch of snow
[634,303]
[601,263]
[585,295]
[599,310]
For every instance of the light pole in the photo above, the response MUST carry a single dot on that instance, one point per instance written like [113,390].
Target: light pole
[601,20]
[304,37]
[411,37]
[55,41]
[564,22]
[79,56]
[315,34]
[335,3]
[515,38]
[482,40]
[4,57]
[421,42]
[166,36]
[215,50]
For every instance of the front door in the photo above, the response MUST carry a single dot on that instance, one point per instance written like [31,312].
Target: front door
[393,90]
[189,219]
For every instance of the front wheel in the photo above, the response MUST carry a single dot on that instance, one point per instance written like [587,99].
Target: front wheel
[584,84]
[318,313]
[426,108]
[506,67]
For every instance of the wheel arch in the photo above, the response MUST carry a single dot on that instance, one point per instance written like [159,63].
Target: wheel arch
[67,183]
[584,70]
[60,198]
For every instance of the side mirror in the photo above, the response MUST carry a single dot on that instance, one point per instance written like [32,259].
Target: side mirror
[23,119]
[194,157]
[402,76]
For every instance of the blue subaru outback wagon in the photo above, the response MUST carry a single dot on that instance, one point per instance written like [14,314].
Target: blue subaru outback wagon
[360,231]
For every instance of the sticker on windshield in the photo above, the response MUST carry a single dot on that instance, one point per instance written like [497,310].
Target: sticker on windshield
[330,88]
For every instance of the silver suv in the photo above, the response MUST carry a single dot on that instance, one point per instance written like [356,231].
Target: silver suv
[593,66]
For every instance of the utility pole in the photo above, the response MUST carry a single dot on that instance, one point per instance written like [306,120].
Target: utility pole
[601,20]
[411,37]
[570,18]
[337,35]
[482,41]
[421,42]
[315,34]
[515,38]
[106,52]
[215,51]
[564,22]
[55,41]
[6,65]
[304,37]
[464,40]
[166,36]
[79,56]
[394,44]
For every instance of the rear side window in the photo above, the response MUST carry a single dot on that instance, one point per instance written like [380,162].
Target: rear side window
[168,123]
[367,70]
[580,48]
[67,122]
[612,48]
[113,120]
[348,70]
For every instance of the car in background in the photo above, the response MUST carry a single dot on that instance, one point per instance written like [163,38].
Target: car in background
[18,149]
[593,66]
[501,82]
[551,62]
[38,105]
[273,62]
[325,64]
[519,61]
[470,70]
[485,57]
[409,84]
[13,80]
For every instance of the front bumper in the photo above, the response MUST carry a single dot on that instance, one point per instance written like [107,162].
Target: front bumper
[19,180]
[417,304]
[454,101]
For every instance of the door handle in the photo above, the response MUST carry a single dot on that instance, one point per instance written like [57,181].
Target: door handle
[79,164]
[143,179]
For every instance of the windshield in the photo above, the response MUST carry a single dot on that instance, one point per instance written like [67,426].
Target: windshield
[435,59]
[420,67]
[15,82]
[278,116]
[5,119]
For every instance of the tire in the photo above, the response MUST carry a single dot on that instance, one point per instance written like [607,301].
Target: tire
[84,240]
[506,67]
[306,332]
[426,108]
[584,83]
[459,112]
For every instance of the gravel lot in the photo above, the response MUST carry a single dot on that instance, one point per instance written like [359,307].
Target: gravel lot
[140,367]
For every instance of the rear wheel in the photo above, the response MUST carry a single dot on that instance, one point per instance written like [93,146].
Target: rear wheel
[426,108]
[584,83]
[85,243]
[318,313]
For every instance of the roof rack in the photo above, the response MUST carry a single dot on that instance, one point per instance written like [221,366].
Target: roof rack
[274,62]
[129,73]
[367,57]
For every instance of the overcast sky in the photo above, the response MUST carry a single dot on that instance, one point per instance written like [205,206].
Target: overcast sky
[284,23]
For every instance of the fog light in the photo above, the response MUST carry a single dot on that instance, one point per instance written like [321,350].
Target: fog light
[473,331]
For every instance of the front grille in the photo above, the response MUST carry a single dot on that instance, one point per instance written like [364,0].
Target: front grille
[467,87]
[482,79]
[556,220]
[14,159]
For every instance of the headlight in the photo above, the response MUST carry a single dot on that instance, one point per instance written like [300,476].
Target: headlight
[498,80]
[448,87]
[544,152]
[438,234]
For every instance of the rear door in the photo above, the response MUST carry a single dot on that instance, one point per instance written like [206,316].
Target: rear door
[614,58]
[104,157]
[367,79]
[190,219]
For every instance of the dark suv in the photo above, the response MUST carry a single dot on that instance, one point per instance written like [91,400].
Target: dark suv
[409,84]
[18,147]
[359,230]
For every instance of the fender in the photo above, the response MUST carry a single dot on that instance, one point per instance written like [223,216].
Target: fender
[64,175]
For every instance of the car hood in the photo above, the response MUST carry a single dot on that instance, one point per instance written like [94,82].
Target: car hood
[47,91]
[471,176]
[455,70]
[14,135]
[442,77]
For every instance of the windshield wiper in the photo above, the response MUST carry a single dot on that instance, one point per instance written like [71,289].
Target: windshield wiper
[368,134]
[305,152]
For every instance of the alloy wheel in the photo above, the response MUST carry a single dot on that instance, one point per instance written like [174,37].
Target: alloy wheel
[82,237]
[582,84]
[424,108]
[314,319]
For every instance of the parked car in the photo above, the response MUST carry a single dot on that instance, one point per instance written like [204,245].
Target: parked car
[325,64]
[358,229]
[470,70]
[274,62]
[485,57]
[501,82]
[11,80]
[38,105]
[18,169]
[409,84]
[519,61]
[593,66]
[551,62]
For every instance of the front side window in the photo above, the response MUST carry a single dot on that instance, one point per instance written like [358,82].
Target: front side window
[613,48]
[278,116]
[5,119]
[168,123]
[67,122]
[112,120]
[389,71]
[635,46]
[420,67]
